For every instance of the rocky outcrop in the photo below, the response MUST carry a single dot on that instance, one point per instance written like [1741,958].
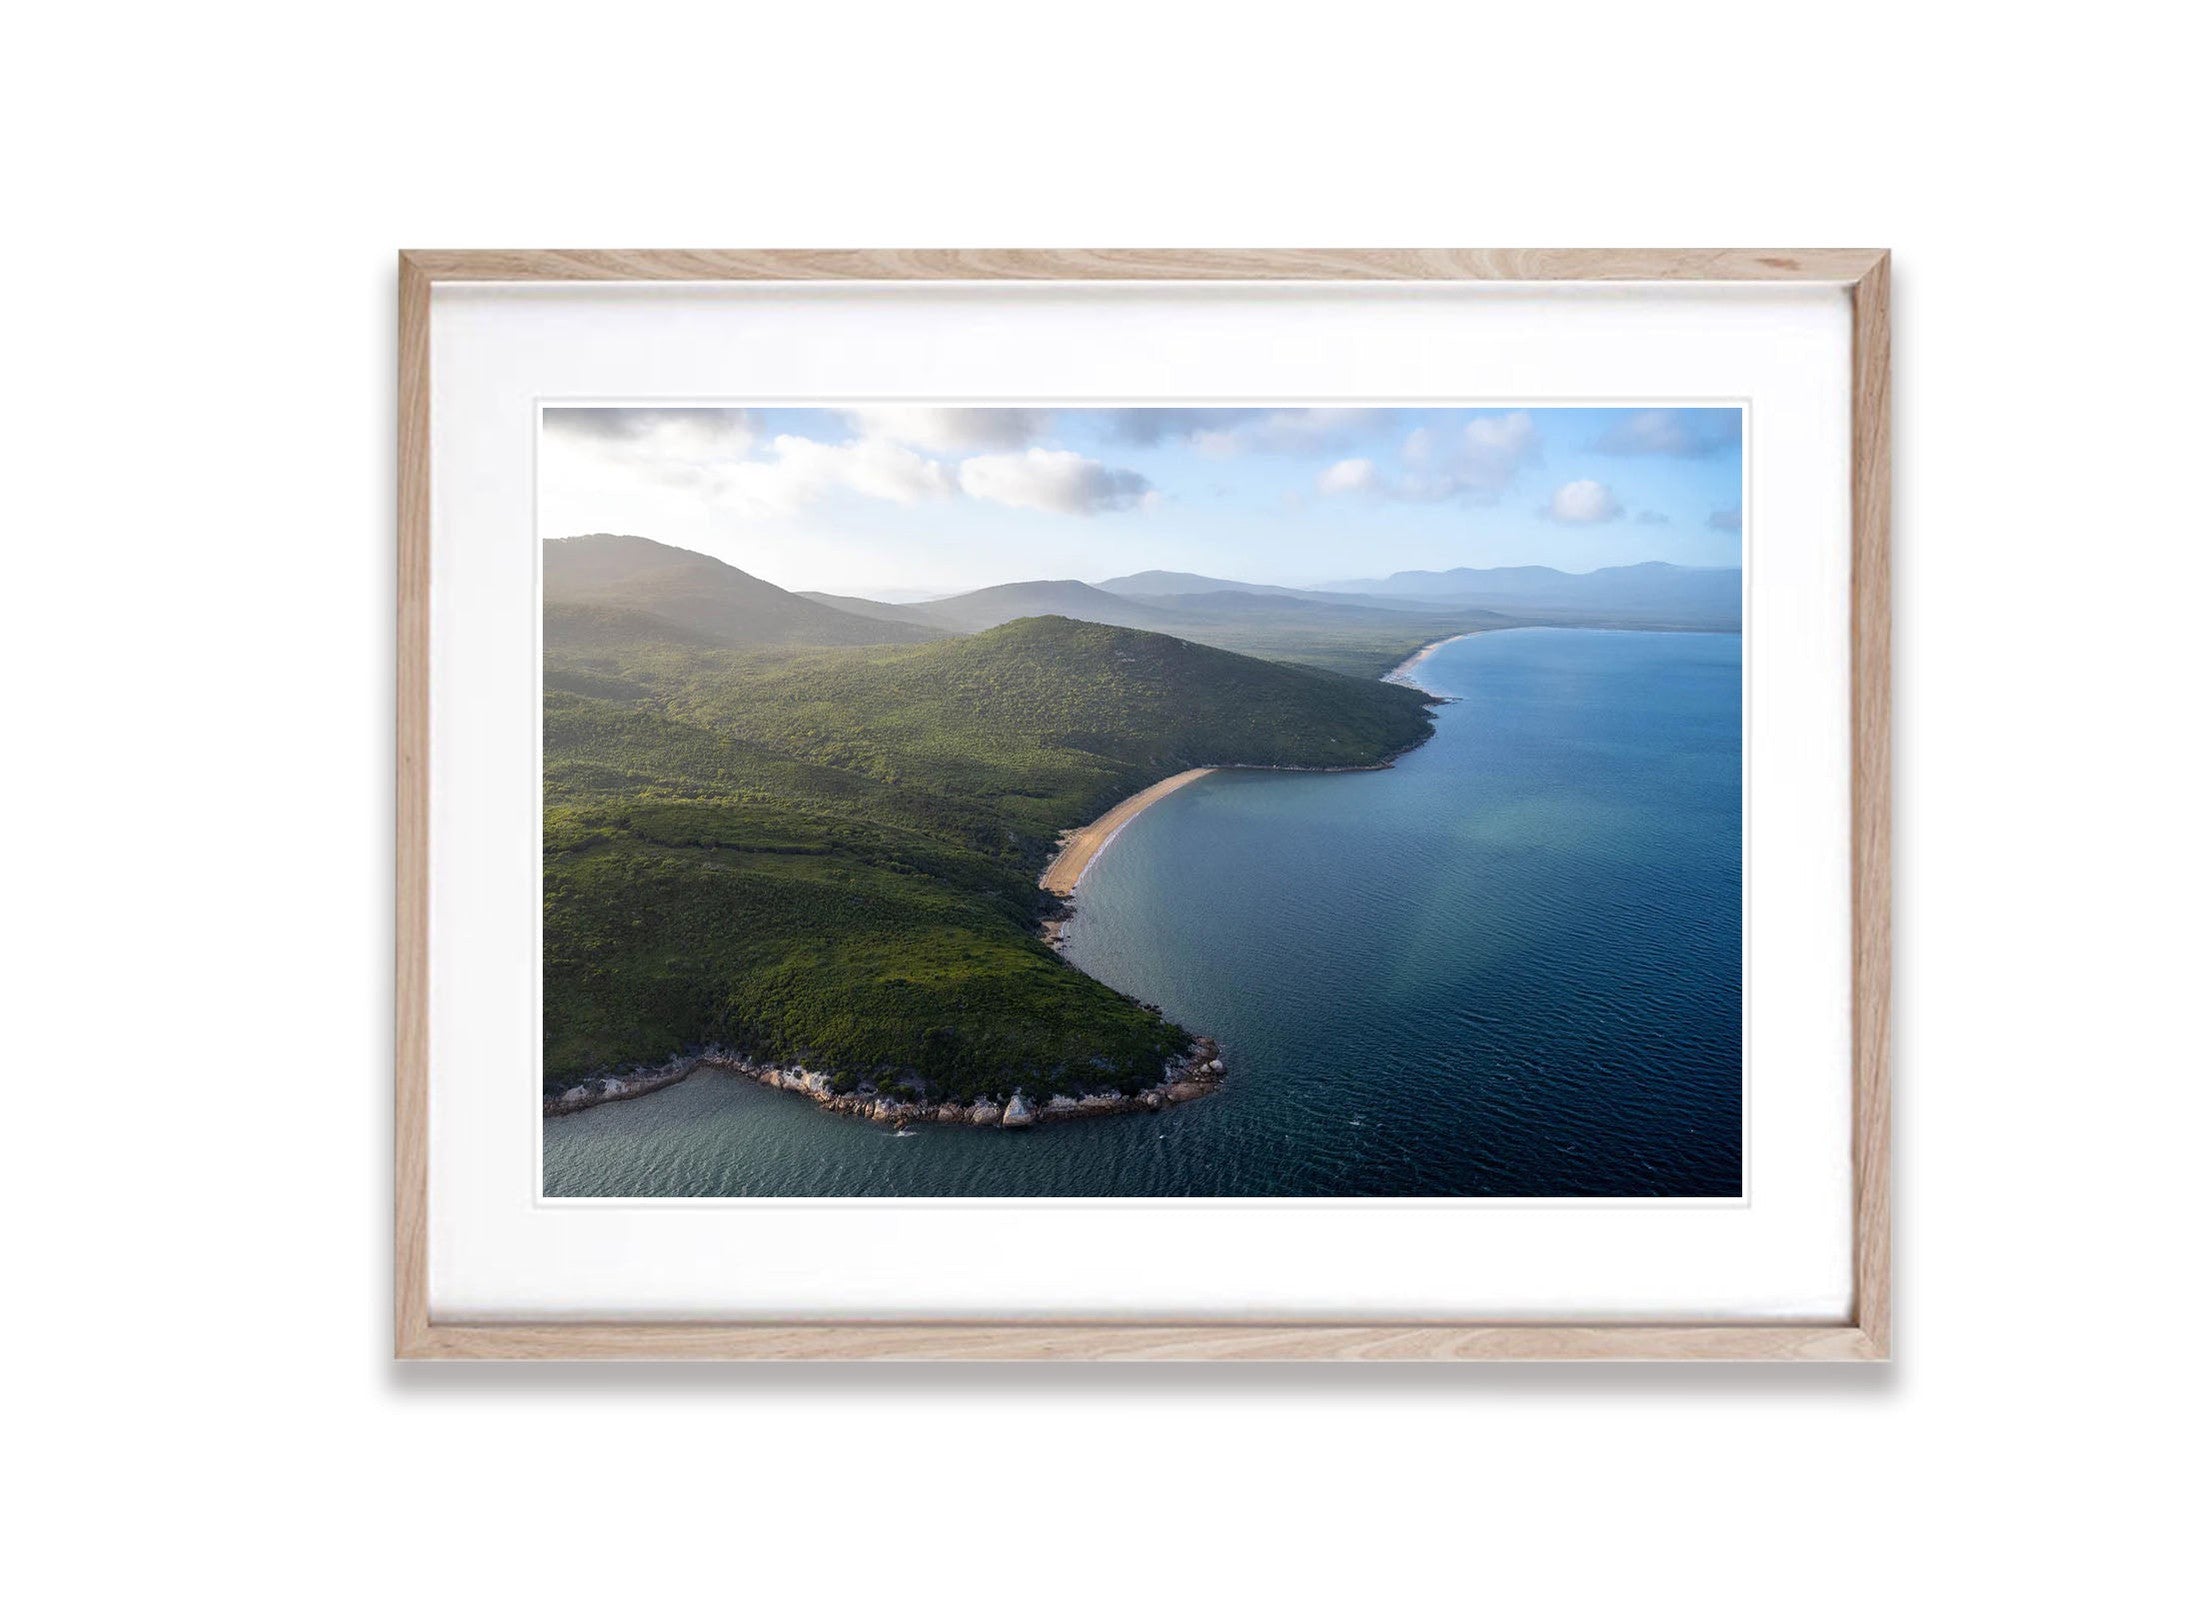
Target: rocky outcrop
[1194,1074]
[1198,1071]
[627,1084]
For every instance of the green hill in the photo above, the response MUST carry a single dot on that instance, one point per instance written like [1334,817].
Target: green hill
[656,592]
[832,854]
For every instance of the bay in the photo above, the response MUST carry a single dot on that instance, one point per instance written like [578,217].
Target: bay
[1508,966]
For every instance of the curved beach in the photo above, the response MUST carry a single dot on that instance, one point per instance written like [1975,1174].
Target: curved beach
[1402,672]
[1081,845]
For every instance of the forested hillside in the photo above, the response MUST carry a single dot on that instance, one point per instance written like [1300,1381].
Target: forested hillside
[831,854]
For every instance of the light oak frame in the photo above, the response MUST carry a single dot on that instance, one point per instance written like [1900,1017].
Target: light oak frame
[1863,1336]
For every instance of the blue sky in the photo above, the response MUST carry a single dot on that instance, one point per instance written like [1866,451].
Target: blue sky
[893,500]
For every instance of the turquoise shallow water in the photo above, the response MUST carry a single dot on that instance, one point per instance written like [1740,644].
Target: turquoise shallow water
[1509,966]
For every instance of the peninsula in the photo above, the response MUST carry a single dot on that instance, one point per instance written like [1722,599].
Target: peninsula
[820,856]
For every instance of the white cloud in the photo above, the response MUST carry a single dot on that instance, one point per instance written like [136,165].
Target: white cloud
[714,453]
[1052,480]
[1361,476]
[951,429]
[676,444]
[1492,449]
[1726,521]
[1584,500]
[1356,475]
[715,457]
[802,471]
[1475,465]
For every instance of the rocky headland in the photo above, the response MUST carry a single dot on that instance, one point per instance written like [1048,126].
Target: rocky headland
[1194,1074]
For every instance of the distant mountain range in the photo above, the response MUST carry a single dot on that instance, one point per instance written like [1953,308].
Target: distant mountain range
[1707,595]
[1341,632]
[1650,588]
[607,589]
[1007,602]
[1142,583]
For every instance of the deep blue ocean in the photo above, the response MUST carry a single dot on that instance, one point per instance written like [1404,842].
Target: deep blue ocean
[1509,966]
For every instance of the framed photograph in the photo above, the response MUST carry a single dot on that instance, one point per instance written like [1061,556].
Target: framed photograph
[1274,804]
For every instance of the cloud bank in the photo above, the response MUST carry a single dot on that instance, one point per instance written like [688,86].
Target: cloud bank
[900,454]
[1475,464]
[1530,474]
[693,428]
[1053,480]
[1224,432]
[802,471]
[951,429]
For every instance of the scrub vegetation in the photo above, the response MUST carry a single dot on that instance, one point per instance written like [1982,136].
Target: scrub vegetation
[763,833]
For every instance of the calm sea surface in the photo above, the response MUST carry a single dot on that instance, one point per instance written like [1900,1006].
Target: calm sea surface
[1509,966]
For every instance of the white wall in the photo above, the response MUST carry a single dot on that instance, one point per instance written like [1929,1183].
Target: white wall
[200,347]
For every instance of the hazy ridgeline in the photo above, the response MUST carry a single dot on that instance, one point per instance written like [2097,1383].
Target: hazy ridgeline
[1359,628]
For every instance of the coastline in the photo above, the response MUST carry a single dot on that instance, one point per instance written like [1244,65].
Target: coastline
[626,1082]
[1191,1075]
[1080,846]
[1402,672]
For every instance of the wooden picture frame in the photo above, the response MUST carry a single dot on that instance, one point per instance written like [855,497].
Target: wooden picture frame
[1862,1336]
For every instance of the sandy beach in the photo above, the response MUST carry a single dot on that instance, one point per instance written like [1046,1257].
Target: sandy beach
[1080,845]
[1403,671]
